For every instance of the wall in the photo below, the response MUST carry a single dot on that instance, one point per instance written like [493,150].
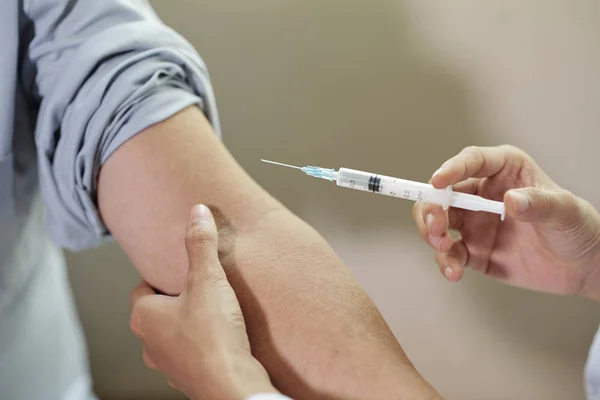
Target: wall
[394,87]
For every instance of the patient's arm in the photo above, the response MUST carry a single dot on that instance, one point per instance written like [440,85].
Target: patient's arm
[310,324]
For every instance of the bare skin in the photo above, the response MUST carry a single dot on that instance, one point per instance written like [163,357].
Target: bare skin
[310,324]
[550,242]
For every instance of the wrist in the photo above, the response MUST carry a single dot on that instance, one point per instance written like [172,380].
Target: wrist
[232,377]
[591,286]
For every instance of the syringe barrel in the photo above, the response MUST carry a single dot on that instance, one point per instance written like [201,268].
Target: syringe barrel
[415,191]
[390,186]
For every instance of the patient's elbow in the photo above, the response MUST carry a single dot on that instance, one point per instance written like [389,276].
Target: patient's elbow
[166,275]
[170,284]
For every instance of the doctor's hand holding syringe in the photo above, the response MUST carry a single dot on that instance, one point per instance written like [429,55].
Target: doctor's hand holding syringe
[549,241]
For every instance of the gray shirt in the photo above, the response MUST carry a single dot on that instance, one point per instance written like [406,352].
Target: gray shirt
[77,79]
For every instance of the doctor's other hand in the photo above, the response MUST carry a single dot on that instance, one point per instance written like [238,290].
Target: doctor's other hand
[549,241]
[198,340]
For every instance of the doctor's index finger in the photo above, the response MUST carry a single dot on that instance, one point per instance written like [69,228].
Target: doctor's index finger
[474,162]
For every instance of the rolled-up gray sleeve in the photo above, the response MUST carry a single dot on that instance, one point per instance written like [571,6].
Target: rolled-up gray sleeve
[104,71]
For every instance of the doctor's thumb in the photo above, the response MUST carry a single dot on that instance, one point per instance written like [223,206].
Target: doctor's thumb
[539,205]
[202,244]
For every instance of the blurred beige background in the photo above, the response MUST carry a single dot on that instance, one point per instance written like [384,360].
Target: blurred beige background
[394,87]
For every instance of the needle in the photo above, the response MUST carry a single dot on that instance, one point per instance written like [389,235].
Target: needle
[283,165]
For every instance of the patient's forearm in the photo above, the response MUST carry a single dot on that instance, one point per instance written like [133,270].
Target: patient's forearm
[309,320]
[310,324]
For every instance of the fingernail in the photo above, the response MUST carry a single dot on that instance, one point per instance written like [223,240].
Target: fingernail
[435,241]
[200,215]
[448,271]
[429,221]
[520,200]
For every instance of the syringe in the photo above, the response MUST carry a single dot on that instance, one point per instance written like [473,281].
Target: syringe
[401,188]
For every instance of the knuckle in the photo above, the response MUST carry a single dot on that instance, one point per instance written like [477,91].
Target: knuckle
[147,360]
[135,323]
[199,245]
[473,152]
[509,148]
[198,236]
[215,277]
[139,317]
[434,210]
[470,149]
[478,156]
[514,153]
[425,210]
[571,204]
[567,197]
[545,199]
